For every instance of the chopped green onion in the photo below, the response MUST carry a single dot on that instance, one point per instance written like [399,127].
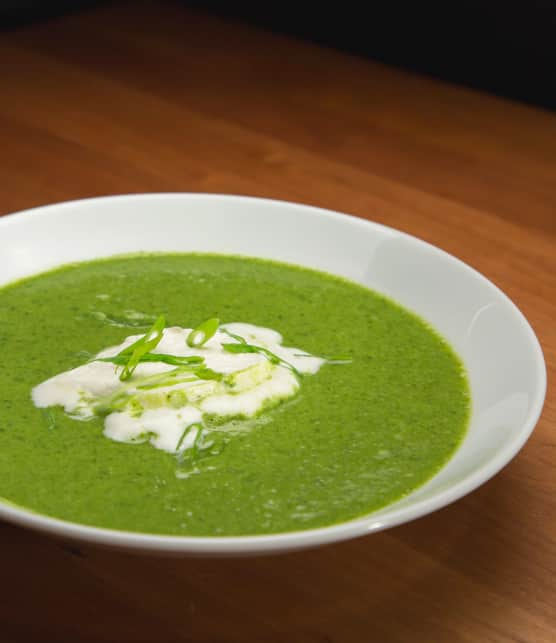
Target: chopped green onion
[142,346]
[178,375]
[205,373]
[154,333]
[197,441]
[271,357]
[183,436]
[238,338]
[194,447]
[175,360]
[200,335]
[176,398]
[114,402]
[240,348]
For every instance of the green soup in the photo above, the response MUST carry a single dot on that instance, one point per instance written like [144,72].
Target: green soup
[357,437]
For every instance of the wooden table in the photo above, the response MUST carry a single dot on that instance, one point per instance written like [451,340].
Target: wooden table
[158,98]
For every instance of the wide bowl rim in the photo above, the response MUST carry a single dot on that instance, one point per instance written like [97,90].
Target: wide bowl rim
[279,542]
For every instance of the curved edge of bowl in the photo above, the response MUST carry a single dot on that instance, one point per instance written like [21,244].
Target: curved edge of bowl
[282,542]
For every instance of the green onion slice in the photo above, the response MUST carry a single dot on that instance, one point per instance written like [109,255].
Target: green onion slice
[238,338]
[196,442]
[179,375]
[168,378]
[142,346]
[270,356]
[174,360]
[199,336]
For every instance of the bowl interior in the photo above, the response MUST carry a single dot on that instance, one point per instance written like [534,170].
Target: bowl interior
[502,355]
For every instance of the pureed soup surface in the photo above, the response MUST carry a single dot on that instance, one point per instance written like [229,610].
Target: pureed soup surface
[356,437]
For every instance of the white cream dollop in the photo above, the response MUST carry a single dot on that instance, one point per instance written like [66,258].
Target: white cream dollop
[162,414]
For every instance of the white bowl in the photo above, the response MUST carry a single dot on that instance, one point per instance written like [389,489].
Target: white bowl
[500,350]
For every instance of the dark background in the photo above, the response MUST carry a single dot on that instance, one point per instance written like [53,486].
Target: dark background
[506,48]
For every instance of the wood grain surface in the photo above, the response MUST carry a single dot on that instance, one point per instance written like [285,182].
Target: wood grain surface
[153,97]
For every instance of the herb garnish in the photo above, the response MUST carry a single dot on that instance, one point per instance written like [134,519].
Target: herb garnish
[174,360]
[178,376]
[243,347]
[238,338]
[194,447]
[142,346]
[191,367]
[199,336]
[187,383]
